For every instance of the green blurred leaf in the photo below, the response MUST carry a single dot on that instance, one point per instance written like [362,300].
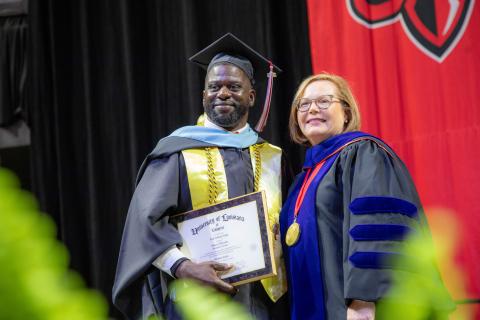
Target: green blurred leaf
[197,302]
[35,282]
[417,292]
[8,179]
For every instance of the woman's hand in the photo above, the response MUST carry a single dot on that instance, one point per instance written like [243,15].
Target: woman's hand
[361,310]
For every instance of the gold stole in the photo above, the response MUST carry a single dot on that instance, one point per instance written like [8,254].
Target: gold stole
[206,172]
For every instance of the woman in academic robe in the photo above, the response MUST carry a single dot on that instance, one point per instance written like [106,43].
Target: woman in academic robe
[348,209]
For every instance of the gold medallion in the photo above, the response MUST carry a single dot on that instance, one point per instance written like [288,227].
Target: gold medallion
[293,234]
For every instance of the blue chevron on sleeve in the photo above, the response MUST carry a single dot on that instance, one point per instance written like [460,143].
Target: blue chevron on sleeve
[373,260]
[379,232]
[378,205]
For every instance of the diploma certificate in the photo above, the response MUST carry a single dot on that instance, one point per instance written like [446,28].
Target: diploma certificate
[233,232]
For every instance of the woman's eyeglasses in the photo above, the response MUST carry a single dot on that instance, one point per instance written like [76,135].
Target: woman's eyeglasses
[322,102]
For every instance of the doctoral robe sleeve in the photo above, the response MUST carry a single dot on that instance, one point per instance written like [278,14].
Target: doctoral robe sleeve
[381,207]
[147,232]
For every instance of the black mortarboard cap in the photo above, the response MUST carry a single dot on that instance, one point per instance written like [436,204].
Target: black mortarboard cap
[230,49]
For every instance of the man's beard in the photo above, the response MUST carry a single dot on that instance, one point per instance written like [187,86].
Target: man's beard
[226,120]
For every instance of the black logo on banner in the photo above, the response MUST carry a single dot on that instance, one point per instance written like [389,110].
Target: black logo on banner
[434,26]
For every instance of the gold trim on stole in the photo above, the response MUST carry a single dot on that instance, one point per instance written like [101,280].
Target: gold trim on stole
[271,183]
[196,164]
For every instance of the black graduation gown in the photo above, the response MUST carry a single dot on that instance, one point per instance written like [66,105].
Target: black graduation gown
[162,190]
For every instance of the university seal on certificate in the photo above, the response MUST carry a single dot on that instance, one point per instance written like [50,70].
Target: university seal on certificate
[233,232]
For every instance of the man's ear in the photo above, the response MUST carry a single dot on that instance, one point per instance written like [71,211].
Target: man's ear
[203,98]
[252,96]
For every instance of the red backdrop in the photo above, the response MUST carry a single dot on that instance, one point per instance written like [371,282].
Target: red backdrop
[414,67]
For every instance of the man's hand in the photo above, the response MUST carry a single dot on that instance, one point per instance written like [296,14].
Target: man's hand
[361,310]
[207,273]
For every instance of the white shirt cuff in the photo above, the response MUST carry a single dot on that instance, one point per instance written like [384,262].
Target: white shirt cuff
[166,260]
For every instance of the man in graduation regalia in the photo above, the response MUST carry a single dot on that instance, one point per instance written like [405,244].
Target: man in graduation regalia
[218,159]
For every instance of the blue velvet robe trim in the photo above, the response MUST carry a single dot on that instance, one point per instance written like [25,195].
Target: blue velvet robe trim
[317,153]
[371,205]
[379,232]
[374,260]
[304,271]
[218,137]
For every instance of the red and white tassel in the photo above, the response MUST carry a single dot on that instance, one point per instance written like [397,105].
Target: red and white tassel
[266,106]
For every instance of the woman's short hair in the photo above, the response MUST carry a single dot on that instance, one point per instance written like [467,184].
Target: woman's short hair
[344,93]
